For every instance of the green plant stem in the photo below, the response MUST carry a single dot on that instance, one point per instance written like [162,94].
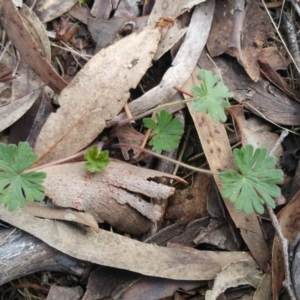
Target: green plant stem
[149,112]
[166,158]
[59,161]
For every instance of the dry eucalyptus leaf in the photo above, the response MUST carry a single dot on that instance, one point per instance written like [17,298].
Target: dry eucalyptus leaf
[97,94]
[48,10]
[15,110]
[113,250]
[238,273]
[107,194]
[57,213]
[28,48]
[216,146]
[106,32]
[37,30]
[170,8]
[182,65]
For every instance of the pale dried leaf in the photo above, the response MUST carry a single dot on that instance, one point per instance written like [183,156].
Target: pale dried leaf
[253,132]
[264,290]
[71,185]
[163,8]
[183,64]
[97,94]
[48,10]
[15,110]
[113,250]
[238,273]
[57,213]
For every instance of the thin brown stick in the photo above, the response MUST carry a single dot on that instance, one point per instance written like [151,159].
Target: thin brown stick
[166,158]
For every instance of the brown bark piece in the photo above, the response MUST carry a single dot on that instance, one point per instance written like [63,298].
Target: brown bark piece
[109,249]
[113,195]
[28,48]
[97,94]
[218,152]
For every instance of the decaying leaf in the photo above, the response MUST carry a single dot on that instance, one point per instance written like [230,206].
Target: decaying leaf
[48,10]
[110,249]
[107,195]
[182,65]
[218,152]
[238,273]
[28,48]
[58,213]
[96,94]
[13,111]
[37,30]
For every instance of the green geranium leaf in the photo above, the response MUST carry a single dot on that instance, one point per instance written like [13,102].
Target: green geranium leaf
[255,183]
[166,132]
[15,185]
[209,96]
[96,160]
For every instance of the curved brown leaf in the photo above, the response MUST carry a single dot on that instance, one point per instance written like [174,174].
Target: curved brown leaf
[28,48]
[96,94]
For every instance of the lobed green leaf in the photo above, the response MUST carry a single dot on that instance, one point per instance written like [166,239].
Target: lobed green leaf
[96,160]
[166,131]
[209,96]
[255,183]
[15,185]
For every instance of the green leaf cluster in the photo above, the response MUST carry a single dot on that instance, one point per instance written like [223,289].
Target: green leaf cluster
[15,185]
[209,96]
[255,183]
[166,131]
[96,160]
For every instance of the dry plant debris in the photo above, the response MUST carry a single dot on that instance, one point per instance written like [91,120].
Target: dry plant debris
[69,68]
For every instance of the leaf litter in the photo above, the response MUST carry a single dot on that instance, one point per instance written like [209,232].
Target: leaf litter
[118,195]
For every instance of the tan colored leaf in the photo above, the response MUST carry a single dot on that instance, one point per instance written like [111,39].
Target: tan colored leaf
[28,48]
[238,273]
[183,64]
[100,194]
[37,30]
[218,153]
[110,249]
[15,110]
[96,95]
[57,213]
[48,10]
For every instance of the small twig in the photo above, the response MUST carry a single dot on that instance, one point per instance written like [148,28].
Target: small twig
[149,112]
[283,241]
[283,134]
[287,283]
[296,6]
[291,36]
[127,111]
[280,36]
[166,158]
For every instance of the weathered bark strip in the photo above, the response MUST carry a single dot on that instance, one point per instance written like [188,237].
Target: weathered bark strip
[22,254]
